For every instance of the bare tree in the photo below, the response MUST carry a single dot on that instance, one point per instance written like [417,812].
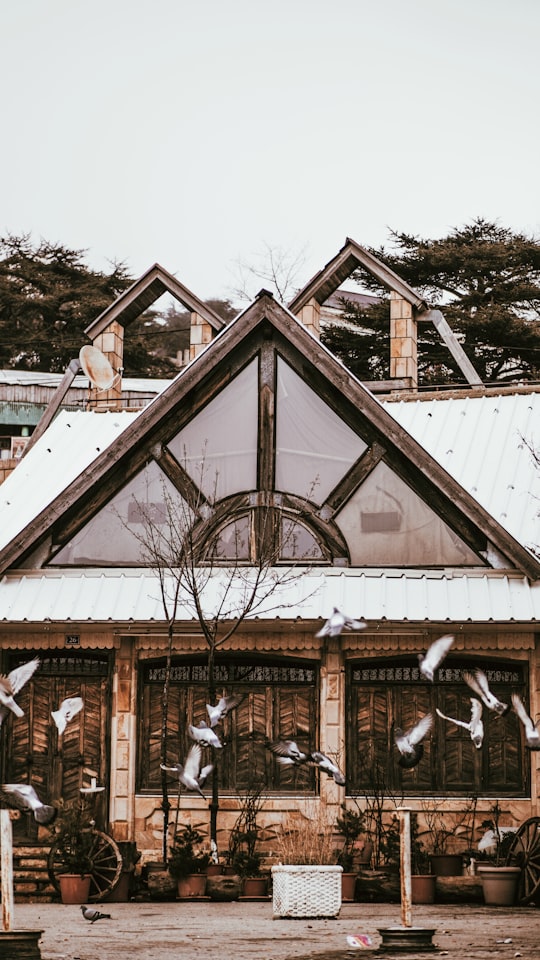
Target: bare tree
[219,582]
[277,268]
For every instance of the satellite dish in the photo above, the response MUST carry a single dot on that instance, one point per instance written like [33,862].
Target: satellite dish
[96,367]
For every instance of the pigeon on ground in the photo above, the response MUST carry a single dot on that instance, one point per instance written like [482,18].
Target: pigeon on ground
[324,763]
[91,914]
[475,725]
[190,774]
[221,709]
[204,734]
[478,683]
[10,686]
[532,735]
[338,622]
[435,655]
[68,709]
[409,742]
[22,796]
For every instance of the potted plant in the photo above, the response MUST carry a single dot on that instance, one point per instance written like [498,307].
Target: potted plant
[73,836]
[307,880]
[351,827]
[244,858]
[446,831]
[422,877]
[187,862]
[499,879]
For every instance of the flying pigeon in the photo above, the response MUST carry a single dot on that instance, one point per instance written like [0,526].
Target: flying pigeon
[204,734]
[338,622]
[221,709]
[435,655]
[190,774]
[324,763]
[532,735]
[91,914]
[10,686]
[68,709]
[475,725]
[478,683]
[409,742]
[22,796]
[288,753]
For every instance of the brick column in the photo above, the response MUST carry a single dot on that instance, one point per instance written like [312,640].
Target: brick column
[332,720]
[111,343]
[403,340]
[310,316]
[123,735]
[200,333]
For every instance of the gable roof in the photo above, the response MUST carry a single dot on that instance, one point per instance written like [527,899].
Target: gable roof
[145,291]
[265,321]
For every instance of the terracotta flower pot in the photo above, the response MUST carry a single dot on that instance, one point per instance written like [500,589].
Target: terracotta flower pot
[499,884]
[191,886]
[423,888]
[214,870]
[446,864]
[73,887]
[348,886]
[254,887]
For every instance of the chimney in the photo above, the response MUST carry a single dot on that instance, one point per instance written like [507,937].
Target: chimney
[111,343]
[403,340]
[310,316]
[200,333]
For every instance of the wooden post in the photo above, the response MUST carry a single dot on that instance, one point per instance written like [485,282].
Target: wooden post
[405,865]
[6,861]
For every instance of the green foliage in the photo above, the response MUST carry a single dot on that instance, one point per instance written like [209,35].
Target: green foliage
[351,826]
[485,278]
[73,836]
[186,856]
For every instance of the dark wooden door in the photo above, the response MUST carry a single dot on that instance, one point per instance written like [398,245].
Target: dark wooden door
[57,764]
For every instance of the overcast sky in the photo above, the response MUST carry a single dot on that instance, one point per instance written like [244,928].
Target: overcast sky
[195,132]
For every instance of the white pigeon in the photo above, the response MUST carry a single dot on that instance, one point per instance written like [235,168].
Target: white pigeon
[409,742]
[475,725]
[478,683]
[91,914]
[221,709]
[338,622]
[190,774]
[324,763]
[532,735]
[288,753]
[435,655]
[22,796]
[68,709]
[10,686]
[204,734]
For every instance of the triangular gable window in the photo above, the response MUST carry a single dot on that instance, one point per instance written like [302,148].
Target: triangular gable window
[218,448]
[386,523]
[314,447]
[117,533]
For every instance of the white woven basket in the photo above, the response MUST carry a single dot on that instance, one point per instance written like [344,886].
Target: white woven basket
[306,891]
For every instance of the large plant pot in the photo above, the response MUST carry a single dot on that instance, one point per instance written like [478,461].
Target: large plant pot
[73,887]
[348,886]
[214,870]
[446,864]
[499,884]
[192,886]
[120,894]
[306,891]
[161,886]
[423,887]
[254,887]
[223,888]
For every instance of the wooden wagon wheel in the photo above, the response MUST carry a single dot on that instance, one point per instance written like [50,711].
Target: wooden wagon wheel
[106,865]
[524,852]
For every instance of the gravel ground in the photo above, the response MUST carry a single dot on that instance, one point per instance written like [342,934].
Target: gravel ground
[242,930]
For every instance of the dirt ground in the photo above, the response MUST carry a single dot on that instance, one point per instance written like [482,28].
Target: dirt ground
[241,930]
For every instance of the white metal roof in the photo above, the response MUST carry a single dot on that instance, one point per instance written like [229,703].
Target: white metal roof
[415,596]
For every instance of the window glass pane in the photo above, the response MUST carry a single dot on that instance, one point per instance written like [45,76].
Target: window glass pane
[218,448]
[386,523]
[314,447]
[297,542]
[115,534]
[233,541]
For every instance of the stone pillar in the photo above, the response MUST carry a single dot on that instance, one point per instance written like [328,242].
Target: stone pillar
[111,343]
[310,316]
[123,736]
[332,721]
[403,340]
[200,333]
